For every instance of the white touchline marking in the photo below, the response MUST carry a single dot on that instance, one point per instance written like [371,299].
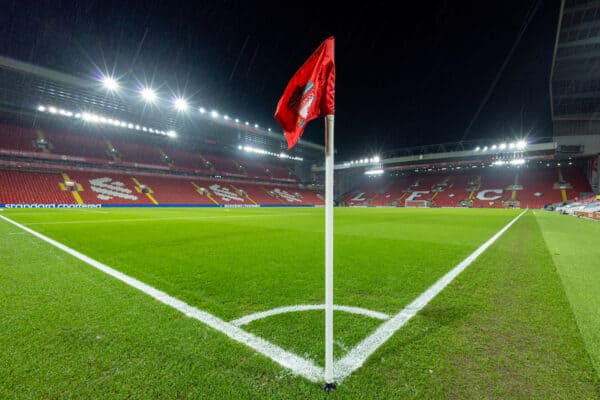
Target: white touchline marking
[295,363]
[357,356]
[306,307]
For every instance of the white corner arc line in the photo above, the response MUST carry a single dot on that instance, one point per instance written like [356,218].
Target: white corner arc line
[307,307]
[293,362]
[355,358]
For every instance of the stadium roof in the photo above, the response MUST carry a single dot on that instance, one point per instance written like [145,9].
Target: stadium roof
[31,90]
[575,76]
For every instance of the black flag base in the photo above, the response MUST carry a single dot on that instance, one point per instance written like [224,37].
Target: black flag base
[329,387]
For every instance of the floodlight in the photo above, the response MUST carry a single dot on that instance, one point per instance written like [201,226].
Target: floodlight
[171,134]
[502,146]
[226,117]
[521,144]
[41,108]
[477,148]
[148,95]
[180,104]
[214,114]
[376,158]
[110,83]
[202,110]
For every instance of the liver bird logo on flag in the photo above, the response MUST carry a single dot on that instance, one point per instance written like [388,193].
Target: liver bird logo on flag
[309,94]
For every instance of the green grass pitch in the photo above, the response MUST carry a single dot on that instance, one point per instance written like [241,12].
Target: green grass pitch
[521,322]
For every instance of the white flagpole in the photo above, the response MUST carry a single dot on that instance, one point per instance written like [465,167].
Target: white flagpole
[329,382]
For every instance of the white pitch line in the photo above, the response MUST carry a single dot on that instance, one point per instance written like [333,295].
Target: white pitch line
[358,355]
[295,363]
[307,307]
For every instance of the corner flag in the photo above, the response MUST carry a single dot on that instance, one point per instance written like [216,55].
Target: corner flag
[310,94]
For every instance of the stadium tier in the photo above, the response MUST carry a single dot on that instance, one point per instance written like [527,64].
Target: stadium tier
[492,188]
[132,152]
[101,187]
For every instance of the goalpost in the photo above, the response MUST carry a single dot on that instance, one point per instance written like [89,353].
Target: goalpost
[417,203]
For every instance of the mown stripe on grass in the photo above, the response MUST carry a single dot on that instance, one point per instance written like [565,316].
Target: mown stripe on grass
[574,246]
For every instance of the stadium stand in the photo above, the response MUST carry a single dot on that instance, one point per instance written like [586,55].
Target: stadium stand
[491,188]
[104,150]
[32,187]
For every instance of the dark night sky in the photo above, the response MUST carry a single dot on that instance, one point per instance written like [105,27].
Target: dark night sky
[404,77]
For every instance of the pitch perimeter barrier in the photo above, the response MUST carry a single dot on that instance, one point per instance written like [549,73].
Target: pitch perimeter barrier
[39,205]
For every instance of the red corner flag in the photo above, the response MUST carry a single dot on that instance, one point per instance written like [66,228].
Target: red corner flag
[310,93]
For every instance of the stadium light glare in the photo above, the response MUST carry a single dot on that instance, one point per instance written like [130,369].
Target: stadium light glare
[41,108]
[374,172]
[477,148]
[226,117]
[502,146]
[517,161]
[511,145]
[246,123]
[494,147]
[180,104]
[376,159]
[256,126]
[214,114]
[498,163]
[521,144]
[202,110]
[237,120]
[52,110]
[110,83]
[485,148]
[149,95]
[171,134]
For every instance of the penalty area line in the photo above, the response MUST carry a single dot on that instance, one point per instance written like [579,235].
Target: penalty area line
[298,365]
[356,357]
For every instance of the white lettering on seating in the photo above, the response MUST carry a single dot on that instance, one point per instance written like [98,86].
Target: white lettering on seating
[224,193]
[288,196]
[108,189]
[414,195]
[483,195]
[359,197]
